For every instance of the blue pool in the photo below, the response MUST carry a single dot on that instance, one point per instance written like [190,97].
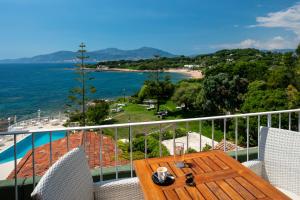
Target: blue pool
[24,145]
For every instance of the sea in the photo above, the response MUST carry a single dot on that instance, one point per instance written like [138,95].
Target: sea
[25,88]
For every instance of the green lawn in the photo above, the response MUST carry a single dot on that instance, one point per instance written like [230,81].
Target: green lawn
[139,113]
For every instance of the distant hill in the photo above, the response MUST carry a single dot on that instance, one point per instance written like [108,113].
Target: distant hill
[280,50]
[108,54]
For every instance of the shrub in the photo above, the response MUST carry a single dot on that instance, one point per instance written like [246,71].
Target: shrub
[207,147]
[190,150]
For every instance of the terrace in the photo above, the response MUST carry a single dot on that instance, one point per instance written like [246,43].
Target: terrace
[108,160]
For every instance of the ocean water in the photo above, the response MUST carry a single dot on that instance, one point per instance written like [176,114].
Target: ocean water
[25,88]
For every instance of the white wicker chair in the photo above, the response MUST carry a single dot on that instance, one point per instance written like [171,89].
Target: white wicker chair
[70,179]
[279,160]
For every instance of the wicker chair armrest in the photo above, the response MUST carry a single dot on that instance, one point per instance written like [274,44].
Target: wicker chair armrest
[124,189]
[255,166]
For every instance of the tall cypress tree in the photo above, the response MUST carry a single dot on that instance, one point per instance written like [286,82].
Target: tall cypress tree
[79,95]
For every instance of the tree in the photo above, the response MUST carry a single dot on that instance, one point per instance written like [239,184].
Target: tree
[79,95]
[293,97]
[298,50]
[221,93]
[186,93]
[259,98]
[160,91]
[97,113]
[157,86]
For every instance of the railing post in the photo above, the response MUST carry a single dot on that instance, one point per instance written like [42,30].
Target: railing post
[200,132]
[101,162]
[116,153]
[50,135]
[174,136]
[212,134]
[146,145]
[130,144]
[187,136]
[160,139]
[258,135]
[236,138]
[33,161]
[15,165]
[269,120]
[67,141]
[290,121]
[298,121]
[279,120]
[247,138]
[224,134]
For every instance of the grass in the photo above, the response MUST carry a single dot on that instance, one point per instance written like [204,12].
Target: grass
[138,113]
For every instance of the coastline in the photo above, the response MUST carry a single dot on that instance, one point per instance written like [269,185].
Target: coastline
[195,74]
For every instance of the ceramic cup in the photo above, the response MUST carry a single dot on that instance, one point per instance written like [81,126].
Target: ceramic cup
[162,173]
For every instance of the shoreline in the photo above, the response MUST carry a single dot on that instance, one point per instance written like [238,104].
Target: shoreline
[195,74]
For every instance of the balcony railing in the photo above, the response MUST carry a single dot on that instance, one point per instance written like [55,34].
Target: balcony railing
[288,119]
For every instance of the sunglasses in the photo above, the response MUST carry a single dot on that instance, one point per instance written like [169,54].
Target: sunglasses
[190,179]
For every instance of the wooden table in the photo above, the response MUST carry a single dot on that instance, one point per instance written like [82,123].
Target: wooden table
[217,176]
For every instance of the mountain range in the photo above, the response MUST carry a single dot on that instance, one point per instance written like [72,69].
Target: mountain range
[94,56]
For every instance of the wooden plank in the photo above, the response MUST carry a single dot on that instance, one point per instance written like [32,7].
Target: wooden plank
[211,164]
[168,167]
[253,190]
[176,170]
[255,180]
[144,172]
[224,176]
[219,162]
[186,157]
[194,193]
[196,169]
[203,178]
[240,189]
[264,186]
[187,170]
[218,191]
[202,165]
[229,190]
[182,193]
[206,192]
[154,167]
[171,194]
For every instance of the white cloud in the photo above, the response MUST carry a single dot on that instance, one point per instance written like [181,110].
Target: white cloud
[288,19]
[277,42]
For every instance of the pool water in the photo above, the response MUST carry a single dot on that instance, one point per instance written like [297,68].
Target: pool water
[24,145]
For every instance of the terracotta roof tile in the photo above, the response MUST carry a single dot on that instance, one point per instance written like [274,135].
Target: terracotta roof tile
[229,146]
[59,148]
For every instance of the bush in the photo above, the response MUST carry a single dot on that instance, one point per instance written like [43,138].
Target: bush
[180,132]
[138,144]
[166,135]
[190,150]
[95,114]
[207,147]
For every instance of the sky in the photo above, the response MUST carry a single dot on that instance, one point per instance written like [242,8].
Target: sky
[182,27]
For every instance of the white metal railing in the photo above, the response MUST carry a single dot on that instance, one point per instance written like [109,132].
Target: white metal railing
[225,118]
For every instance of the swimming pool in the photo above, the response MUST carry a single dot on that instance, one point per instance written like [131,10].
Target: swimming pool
[24,145]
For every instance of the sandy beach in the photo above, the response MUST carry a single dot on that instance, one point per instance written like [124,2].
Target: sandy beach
[197,74]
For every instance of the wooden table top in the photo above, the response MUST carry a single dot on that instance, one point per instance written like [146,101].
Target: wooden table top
[217,176]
